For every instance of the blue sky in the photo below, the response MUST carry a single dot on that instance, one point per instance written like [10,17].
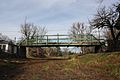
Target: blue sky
[56,15]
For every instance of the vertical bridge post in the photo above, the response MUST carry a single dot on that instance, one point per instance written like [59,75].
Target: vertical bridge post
[58,38]
[47,40]
[37,39]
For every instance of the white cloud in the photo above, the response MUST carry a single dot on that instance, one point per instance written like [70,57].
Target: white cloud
[51,13]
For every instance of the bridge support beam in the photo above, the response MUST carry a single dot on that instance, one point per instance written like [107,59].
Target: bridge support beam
[22,52]
[59,51]
[97,48]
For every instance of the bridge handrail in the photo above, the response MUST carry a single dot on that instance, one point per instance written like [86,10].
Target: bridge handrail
[60,38]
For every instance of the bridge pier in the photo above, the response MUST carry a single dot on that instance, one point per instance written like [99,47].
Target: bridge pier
[59,51]
[97,48]
[22,52]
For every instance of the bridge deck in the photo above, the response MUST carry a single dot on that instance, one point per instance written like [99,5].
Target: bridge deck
[63,44]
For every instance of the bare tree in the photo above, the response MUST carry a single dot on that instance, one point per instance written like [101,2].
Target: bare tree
[30,31]
[79,29]
[107,33]
[109,18]
[4,37]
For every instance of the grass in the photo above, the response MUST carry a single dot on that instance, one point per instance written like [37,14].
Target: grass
[107,63]
[104,66]
[45,67]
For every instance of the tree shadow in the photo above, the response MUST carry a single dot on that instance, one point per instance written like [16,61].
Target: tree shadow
[9,70]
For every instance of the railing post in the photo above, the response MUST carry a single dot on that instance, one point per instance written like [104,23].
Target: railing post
[58,38]
[47,40]
[37,39]
[91,38]
[26,41]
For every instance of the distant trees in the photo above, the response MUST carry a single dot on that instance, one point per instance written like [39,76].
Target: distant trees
[53,51]
[30,31]
[4,37]
[77,30]
[110,19]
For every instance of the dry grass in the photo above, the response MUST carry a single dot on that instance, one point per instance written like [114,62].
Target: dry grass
[101,66]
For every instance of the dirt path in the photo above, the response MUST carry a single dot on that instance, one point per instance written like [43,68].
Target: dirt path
[51,70]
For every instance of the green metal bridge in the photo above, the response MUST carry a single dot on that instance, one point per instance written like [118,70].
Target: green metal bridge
[62,41]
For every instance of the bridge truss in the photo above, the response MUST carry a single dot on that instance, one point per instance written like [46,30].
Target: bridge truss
[62,41]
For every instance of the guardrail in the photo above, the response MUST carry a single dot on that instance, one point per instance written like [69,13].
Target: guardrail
[86,39]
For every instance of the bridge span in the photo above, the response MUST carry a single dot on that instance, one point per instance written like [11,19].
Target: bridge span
[32,45]
[62,41]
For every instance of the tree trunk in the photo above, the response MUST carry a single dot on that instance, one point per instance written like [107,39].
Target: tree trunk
[113,45]
[112,33]
[118,35]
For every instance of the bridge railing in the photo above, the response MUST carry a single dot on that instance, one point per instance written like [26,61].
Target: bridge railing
[62,39]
